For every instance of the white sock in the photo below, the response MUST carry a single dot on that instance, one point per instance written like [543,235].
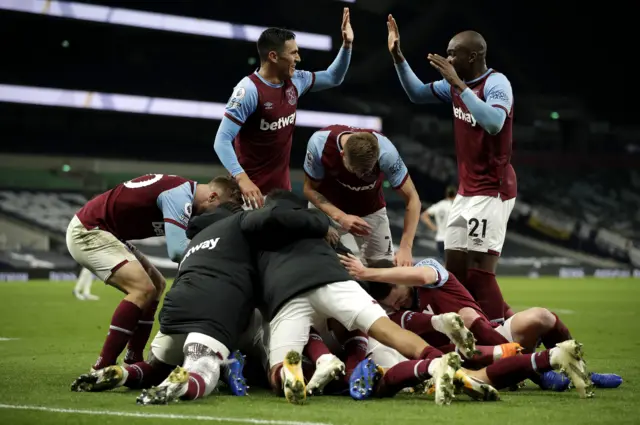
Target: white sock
[433,365]
[83,278]
[437,323]
[325,357]
[79,282]
[87,286]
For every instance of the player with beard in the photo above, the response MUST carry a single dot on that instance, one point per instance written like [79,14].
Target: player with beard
[146,206]
[260,116]
[482,101]
[345,169]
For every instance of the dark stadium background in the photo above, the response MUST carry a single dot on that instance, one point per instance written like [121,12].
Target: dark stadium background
[576,134]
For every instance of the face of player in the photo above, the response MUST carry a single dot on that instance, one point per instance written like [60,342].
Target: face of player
[461,59]
[287,59]
[398,298]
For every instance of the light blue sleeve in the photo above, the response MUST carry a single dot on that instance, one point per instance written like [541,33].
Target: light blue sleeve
[333,76]
[176,206]
[443,274]
[313,161]
[498,92]
[419,92]
[491,114]
[391,163]
[223,145]
[243,102]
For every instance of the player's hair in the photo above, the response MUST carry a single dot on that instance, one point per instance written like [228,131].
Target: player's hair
[378,291]
[230,186]
[282,194]
[273,39]
[451,192]
[383,263]
[362,151]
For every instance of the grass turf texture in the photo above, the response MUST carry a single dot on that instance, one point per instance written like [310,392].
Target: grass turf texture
[59,337]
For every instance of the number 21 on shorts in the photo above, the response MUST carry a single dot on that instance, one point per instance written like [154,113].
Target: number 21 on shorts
[474,224]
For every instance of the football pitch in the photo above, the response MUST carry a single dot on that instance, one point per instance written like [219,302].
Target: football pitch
[47,338]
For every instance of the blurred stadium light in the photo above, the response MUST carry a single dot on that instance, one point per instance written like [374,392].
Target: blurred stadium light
[157,21]
[162,106]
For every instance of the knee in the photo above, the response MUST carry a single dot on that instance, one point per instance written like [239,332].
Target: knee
[543,318]
[160,284]
[143,290]
[537,320]
[148,292]
[468,316]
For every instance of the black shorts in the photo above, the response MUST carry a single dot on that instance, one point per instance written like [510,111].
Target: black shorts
[440,245]
[209,306]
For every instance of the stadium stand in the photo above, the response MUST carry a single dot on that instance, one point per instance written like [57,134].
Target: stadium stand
[50,208]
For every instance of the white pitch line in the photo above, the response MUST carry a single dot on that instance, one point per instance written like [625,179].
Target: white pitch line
[156,415]
[8,339]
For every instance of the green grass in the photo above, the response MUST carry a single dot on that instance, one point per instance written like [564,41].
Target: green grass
[60,337]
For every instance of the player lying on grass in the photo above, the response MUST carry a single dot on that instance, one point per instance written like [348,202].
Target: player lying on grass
[303,282]
[345,169]
[147,206]
[413,299]
[348,350]
[370,380]
[209,304]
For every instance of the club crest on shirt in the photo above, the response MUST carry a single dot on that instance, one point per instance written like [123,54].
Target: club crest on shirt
[291,95]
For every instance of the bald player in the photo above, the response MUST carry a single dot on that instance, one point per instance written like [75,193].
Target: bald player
[482,102]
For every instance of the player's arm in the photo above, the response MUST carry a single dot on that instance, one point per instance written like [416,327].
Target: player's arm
[431,274]
[176,209]
[313,175]
[285,223]
[333,76]
[306,81]
[241,105]
[310,190]
[492,113]
[426,217]
[397,174]
[417,91]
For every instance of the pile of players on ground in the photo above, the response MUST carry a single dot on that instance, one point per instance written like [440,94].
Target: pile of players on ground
[272,298]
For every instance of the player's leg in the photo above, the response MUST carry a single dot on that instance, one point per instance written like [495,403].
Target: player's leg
[109,259]
[86,289]
[288,335]
[440,248]
[487,219]
[567,357]
[78,290]
[166,353]
[349,304]
[251,345]
[328,366]
[455,240]
[199,375]
[137,342]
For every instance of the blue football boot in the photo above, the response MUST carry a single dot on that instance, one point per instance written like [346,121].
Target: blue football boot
[363,380]
[233,372]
